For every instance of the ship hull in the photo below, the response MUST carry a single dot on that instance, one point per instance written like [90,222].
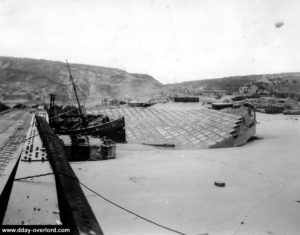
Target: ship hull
[114,130]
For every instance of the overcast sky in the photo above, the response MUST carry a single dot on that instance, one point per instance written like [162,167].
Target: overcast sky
[172,40]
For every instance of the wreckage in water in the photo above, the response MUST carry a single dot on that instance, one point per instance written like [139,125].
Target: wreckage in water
[78,123]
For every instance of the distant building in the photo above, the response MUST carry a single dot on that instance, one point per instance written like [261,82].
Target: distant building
[213,93]
[199,91]
[243,90]
[252,90]
[180,90]
[249,90]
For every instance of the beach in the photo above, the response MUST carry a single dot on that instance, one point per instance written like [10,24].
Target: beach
[175,188]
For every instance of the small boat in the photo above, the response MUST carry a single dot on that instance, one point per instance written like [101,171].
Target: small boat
[219,106]
[114,130]
[140,104]
[76,122]
[291,112]
[274,109]
[186,99]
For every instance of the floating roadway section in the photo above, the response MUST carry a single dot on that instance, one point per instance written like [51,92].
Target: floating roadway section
[13,127]
[33,198]
[185,128]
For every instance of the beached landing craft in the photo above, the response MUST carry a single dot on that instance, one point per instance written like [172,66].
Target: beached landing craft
[78,123]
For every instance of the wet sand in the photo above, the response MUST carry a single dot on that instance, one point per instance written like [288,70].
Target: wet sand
[176,187]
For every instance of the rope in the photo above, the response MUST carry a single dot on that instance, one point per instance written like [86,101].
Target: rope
[131,212]
[23,141]
[33,176]
[109,201]
[123,208]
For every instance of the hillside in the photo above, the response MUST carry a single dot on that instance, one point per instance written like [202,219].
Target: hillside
[30,79]
[283,83]
[33,79]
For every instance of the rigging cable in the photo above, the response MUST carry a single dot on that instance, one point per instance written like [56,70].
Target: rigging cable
[99,195]
[108,200]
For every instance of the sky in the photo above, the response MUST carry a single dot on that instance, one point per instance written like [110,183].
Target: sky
[172,40]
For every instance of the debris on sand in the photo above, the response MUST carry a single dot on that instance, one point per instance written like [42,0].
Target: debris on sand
[219,184]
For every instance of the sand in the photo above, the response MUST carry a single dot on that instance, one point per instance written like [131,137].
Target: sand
[176,187]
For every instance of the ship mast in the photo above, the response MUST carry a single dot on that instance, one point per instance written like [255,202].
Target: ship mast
[75,91]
